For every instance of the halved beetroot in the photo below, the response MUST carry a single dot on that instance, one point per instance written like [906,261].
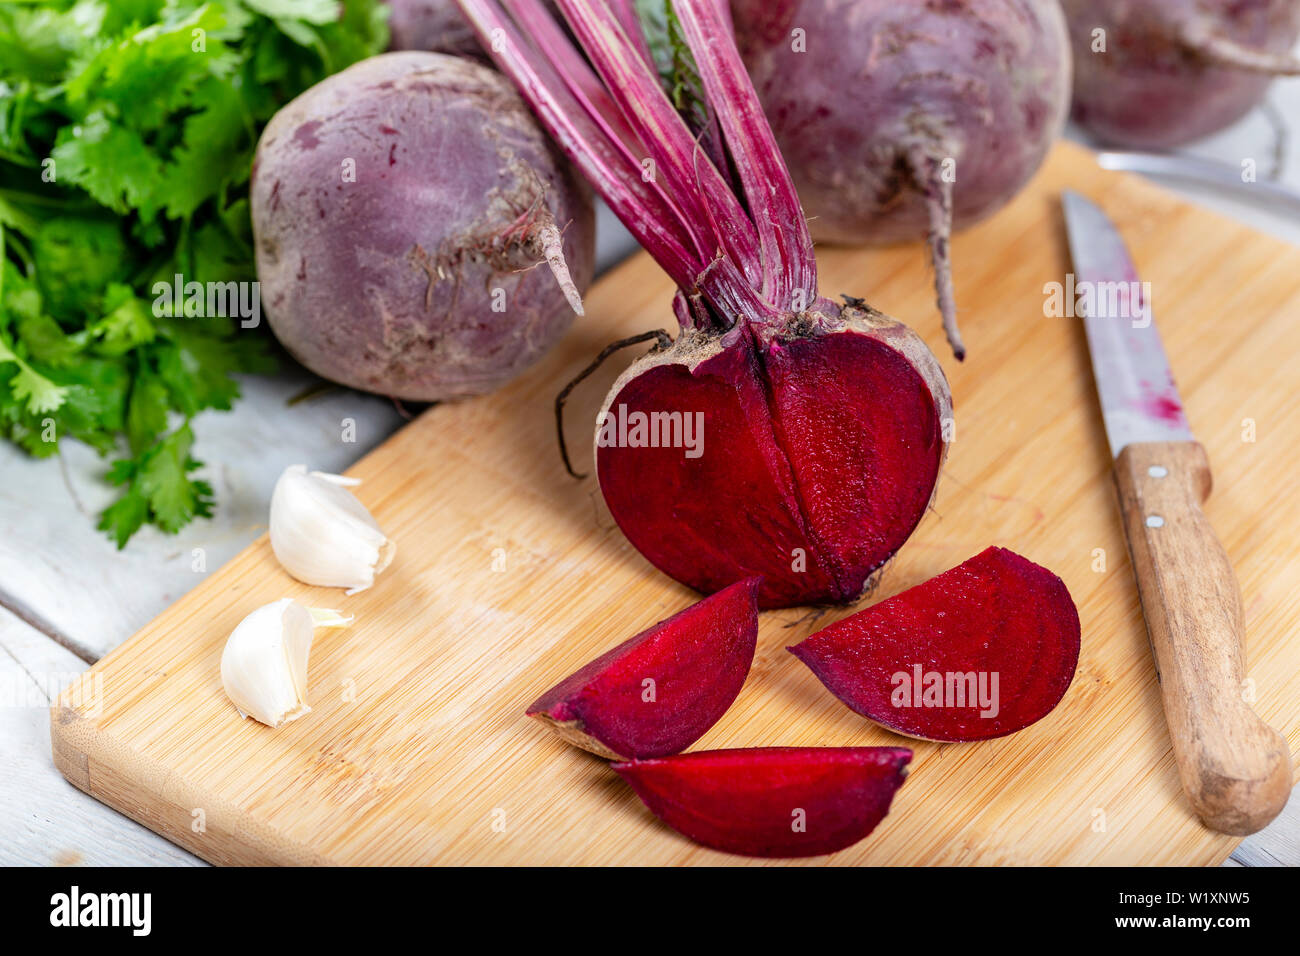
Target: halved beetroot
[799,476]
[657,693]
[980,651]
[772,801]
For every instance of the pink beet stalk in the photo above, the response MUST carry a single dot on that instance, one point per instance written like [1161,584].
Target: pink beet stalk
[780,435]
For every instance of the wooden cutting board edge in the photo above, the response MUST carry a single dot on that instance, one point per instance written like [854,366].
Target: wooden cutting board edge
[94,761]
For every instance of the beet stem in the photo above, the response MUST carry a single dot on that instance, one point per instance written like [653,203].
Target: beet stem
[625,12]
[753,262]
[551,83]
[789,265]
[662,338]
[1219,50]
[937,192]
[634,85]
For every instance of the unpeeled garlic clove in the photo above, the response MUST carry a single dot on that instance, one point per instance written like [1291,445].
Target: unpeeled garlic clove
[322,535]
[264,664]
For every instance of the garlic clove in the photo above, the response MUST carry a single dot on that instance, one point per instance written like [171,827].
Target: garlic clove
[264,664]
[321,534]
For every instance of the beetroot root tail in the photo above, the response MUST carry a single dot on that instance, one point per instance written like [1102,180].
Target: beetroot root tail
[547,235]
[662,341]
[937,192]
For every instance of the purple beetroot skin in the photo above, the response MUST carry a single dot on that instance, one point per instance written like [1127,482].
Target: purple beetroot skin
[1154,74]
[435,26]
[774,801]
[657,693]
[902,120]
[980,651]
[405,213]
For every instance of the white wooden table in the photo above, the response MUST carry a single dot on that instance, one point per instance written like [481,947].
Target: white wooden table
[67,596]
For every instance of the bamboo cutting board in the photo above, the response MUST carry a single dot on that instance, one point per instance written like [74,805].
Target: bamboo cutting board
[509,575]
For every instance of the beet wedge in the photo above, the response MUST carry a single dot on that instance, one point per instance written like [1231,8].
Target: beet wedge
[772,801]
[980,651]
[657,693]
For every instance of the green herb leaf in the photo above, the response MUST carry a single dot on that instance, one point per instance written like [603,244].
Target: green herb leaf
[126,132]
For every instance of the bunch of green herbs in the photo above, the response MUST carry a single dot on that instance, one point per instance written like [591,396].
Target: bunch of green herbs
[127,129]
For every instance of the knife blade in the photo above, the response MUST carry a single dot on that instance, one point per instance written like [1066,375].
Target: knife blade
[1235,769]
[1139,399]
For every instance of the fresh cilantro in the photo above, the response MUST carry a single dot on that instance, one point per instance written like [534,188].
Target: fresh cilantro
[159,489]
[127,128]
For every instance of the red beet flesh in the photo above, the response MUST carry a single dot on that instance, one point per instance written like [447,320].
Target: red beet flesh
[697,661]
[774,801]
[1000,633]
[820,454]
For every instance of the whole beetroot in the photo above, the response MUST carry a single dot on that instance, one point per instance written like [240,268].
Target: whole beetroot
[400,209]
[900,120]
[1154,74]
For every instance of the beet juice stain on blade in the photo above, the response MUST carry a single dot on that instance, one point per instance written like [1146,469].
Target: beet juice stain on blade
[772,801]
[660,691]
[980,651]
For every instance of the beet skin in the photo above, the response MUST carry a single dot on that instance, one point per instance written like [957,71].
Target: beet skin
[774,801]
[1154,74]
[435,26]
[980,651]
[657,693]
[405,211]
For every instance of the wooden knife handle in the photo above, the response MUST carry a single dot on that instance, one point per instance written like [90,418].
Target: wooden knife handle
[1235,768]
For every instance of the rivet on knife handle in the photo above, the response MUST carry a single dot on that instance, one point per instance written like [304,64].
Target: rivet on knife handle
[1235,768]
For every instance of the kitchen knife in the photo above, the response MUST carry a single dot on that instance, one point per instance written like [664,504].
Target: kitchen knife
[1235,769]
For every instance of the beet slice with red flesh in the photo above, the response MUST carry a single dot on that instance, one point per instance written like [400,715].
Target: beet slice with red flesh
[772,801]
[657,693]
[983,650]
[820,455]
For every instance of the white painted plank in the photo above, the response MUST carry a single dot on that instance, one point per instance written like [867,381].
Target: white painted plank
[58,571]
[44,820]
